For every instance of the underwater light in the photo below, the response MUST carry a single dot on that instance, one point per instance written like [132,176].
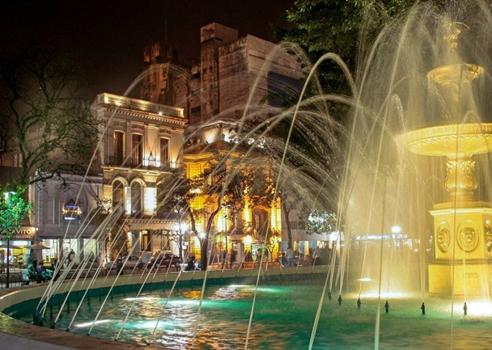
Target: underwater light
[386,295]
[183,302]
[475,308]
[82,325]
[139,298]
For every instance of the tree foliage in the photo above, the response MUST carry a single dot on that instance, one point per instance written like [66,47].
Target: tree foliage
[345,27]
[13,211]
[45,123]
[227,182]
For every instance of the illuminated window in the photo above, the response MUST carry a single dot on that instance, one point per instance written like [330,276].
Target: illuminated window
[71,211]
[145,241]
[118,190]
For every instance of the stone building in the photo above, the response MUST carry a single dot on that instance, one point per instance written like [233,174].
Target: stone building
[186,117]
[141,146]
[226,84]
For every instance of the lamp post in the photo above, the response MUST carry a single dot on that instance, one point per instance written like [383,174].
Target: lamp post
[179,209]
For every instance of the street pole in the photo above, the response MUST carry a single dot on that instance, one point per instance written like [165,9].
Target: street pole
[180,243]
[8,262]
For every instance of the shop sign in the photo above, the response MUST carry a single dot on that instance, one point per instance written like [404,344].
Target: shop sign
[25,233]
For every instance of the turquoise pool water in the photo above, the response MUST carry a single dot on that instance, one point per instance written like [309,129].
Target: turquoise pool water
[283,318]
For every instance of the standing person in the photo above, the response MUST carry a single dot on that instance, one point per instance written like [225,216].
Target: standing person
[233,257]
[316,257]
[248,257]
[289,255]
[223,257]
[70,257]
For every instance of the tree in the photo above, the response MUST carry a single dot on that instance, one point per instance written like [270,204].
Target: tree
[13,210]
[228,182]
[304,148]
[347,28]
[46,126]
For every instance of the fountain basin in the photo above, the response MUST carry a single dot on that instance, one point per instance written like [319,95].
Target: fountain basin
[453,141]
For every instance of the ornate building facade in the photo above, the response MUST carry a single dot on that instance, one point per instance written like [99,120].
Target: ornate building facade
[226,84]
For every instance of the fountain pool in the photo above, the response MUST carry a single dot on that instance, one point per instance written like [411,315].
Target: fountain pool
[414,97]
[283,318]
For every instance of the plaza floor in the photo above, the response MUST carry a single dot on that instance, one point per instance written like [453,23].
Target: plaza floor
[11,342]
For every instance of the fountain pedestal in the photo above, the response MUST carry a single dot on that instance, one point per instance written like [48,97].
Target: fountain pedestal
[462,264]
[462,224]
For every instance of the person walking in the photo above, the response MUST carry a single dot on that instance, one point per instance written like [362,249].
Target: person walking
[289,255]
[233,257]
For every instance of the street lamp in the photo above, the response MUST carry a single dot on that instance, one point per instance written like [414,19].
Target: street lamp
[179,228]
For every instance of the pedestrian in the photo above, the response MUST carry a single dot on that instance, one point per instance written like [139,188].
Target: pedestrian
[223,258]
[423,308]
[358,303]
[387,306]
[70,257]
[232,257]
[289,255]
[32,270]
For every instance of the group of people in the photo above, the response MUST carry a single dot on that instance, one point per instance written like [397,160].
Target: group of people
[38,272]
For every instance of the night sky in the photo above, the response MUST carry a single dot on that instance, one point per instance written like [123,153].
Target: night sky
[108,36]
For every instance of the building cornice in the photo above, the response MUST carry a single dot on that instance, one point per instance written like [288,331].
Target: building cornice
[135,108]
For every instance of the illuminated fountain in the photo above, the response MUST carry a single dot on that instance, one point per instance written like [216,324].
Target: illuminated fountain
[462,224]
[294,307]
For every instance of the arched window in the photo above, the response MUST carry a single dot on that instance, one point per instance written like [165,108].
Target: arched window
[71,211]
[118,193]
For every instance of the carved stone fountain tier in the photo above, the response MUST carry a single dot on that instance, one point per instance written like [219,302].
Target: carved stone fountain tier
[462,224]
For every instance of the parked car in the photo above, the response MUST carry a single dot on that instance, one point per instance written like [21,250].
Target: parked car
[165,260]
[133,260]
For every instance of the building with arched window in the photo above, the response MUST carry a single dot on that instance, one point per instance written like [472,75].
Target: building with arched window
[141,148]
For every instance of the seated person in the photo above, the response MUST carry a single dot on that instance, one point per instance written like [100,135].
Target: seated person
[191,264]
[283,261]
[46,274]
[25,276]
[32,270]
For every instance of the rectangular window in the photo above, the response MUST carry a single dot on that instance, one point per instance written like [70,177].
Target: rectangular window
[164,151]
[119,147]
[137,150]
[145,241]
[195,113]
